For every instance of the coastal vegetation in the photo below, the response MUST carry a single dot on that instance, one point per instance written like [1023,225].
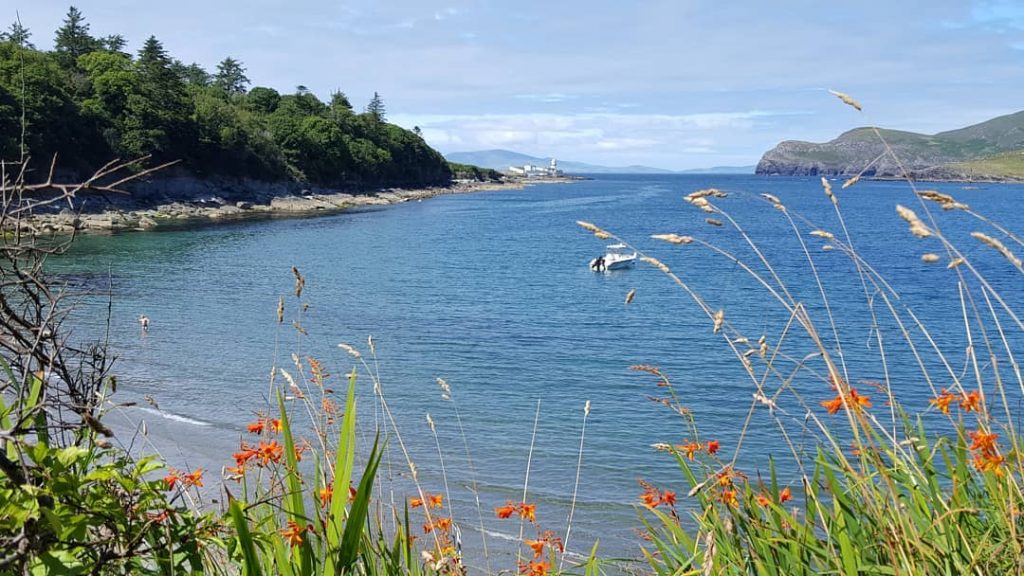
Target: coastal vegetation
[91,99]
[989,150]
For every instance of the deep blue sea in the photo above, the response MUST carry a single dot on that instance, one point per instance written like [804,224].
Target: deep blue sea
[491,291]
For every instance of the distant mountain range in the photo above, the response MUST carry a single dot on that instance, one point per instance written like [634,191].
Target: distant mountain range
[502,159]
[991,150]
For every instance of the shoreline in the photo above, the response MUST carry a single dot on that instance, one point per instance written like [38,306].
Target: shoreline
[207,212]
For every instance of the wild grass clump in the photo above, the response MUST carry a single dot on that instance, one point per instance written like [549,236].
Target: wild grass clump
[881,489]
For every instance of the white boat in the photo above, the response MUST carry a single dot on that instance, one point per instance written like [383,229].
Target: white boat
[619,256]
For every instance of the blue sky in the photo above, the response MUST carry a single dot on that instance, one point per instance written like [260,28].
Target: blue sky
[675,84]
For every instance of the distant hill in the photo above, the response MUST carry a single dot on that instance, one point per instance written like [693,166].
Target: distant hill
[720,170]
[502,159]
[991,150]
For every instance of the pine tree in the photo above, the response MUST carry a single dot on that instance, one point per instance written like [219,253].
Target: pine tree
[231,76]
[19,35]
[73,39]
[376,108]
[114,43]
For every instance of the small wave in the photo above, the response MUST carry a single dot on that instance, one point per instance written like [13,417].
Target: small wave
[175,417]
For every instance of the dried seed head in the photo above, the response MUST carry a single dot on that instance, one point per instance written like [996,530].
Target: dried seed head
[929,258]
[351,351]
[280,309]
[828,190]
[371,346]
[748,353]
[995,243]
[828,248]
[708,208]
[741,340]
[954,263]
[917,227]
[300,282]
[430,422]
[694,197]
[444,385]
[662,447]
[846,99]
[630,295]
[762,350]
[822,234]
[719,318]
[673,238]
[851,182]
[593,228]
[945,200]
[586,409]
[771,198]
[656,263]
[714,222]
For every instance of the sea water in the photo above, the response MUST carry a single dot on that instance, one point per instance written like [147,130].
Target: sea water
[492,292]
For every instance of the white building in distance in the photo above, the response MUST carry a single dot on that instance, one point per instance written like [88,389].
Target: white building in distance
[534,171]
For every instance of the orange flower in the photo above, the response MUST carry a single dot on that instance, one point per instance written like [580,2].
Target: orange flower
[435,500]
[971,402]
[293,533]
[352,493]
[651,498]
[275,425]
[326,493]
[536,545]
[984,442]
[442,524]
[712,446]
[989,463]
[553,541]
[415,502]
[194,479]
[256,427]
[270,452]
[535,568]
[942,401]
[236,472]
[668,498]
[690,448]
[785,496]
[528,511]
[834,405]
[244,455]
[856,401]
[763,500]
[172,479]
[729,497]
[505,511]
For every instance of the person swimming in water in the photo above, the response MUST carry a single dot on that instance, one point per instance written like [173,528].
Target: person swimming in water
[144,322]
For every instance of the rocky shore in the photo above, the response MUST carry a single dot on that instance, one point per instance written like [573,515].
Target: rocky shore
[193,202]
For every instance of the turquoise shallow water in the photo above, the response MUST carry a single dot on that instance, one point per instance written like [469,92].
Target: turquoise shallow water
[491,292]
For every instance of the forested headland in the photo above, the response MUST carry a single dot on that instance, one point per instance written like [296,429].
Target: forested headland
[91,99]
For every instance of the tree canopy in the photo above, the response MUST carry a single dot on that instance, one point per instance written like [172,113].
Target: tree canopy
[90,100]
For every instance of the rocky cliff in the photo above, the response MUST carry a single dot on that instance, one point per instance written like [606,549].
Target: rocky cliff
[963,154]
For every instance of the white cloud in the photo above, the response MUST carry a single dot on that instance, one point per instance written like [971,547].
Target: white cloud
[603,137]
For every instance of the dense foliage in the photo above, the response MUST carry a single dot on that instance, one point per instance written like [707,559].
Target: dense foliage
[89,100]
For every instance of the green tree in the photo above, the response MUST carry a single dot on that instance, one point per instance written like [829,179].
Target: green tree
[192,74]
[262,100]
[72,39]
[230,76]
[17,34]
[376,108]
[114,43]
